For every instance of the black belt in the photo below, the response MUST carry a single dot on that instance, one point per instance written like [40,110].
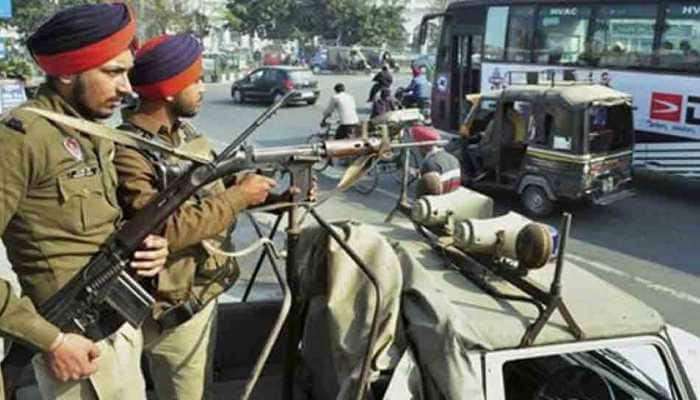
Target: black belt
[178,314]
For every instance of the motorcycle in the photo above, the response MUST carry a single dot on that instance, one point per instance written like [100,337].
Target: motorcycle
[407,102]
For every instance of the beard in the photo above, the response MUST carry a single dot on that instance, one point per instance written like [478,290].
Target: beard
[184,109]
[80,94]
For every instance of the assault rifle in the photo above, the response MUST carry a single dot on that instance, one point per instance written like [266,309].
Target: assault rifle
[103,295]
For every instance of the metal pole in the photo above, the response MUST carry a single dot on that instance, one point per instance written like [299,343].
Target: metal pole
[265,253]
[402,204]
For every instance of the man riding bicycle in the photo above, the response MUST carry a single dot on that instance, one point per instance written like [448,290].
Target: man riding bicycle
[344,104]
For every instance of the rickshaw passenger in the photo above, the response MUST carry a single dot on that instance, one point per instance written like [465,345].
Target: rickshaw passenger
[489,147]
[517,130]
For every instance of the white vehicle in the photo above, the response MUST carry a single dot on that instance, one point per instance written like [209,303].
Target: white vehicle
[649,49]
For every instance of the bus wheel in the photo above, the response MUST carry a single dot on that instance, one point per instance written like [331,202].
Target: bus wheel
[536,202]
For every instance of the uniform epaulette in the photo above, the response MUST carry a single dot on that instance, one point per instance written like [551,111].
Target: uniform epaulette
[189,131]
[13,123]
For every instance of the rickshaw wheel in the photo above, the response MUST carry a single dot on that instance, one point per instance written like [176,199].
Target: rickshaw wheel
[536,202]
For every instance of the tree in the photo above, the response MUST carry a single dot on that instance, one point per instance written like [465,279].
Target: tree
[349,22]
[384,24]
[170,16]
[29,14]
[265,17]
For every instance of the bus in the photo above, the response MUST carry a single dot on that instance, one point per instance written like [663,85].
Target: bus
[649,49]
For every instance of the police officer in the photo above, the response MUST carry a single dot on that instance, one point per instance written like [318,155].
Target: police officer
[440,170]
[167,76]
[58,201]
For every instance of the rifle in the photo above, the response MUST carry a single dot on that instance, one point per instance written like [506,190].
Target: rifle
[103,295]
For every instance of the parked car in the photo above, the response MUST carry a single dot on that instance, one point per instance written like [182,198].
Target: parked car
[270,83]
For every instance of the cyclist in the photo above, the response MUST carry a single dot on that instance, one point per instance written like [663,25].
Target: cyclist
[344,104]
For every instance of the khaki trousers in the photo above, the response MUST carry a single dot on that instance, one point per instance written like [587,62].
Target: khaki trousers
[180,358]
[118,376]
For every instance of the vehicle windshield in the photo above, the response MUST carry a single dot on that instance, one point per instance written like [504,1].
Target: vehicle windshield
[626,364]
[610,129]
[637,372]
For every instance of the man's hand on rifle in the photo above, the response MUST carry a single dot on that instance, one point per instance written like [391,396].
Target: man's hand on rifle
[150,259]
[255,188]
[72,357]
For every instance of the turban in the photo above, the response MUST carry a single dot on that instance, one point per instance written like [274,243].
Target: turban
[424,133]
[165,65]
[81,38]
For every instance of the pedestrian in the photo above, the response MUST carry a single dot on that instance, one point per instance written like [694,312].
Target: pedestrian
[440,171]
[178,339]
[344,104]
[59,203]
[382,80]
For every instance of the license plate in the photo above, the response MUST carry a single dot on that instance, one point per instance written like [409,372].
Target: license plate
[307,95]
[608,185]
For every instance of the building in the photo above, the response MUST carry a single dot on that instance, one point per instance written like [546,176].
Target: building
[415,10]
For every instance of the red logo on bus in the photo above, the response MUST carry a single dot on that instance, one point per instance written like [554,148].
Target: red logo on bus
[666,106]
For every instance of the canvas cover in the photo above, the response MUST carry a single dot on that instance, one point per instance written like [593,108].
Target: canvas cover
[340,302]
[435,324]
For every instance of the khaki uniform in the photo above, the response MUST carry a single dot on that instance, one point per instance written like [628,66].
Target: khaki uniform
[57,206]
[178,355]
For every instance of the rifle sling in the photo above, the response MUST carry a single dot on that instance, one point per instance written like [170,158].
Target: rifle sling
[178,314]
[123,137]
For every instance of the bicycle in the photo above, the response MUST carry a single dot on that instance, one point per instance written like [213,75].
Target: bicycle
[392,165]
[327,132]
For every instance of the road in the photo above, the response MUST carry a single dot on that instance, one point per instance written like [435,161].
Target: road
[648,244]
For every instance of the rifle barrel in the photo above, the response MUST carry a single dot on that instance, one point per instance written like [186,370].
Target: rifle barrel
[331,148]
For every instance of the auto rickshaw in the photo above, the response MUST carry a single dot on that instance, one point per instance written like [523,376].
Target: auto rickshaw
[549,142]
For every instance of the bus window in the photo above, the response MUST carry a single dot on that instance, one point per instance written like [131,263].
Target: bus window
[680,42]
[623,35]
[495,41]
[561,34]
[519,45]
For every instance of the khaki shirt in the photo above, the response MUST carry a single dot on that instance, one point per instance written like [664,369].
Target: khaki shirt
[198,219]
[58,205]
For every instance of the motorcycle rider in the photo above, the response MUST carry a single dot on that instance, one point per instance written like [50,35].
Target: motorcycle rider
[384,104]
[389,61]
[382,80]
[417,93]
